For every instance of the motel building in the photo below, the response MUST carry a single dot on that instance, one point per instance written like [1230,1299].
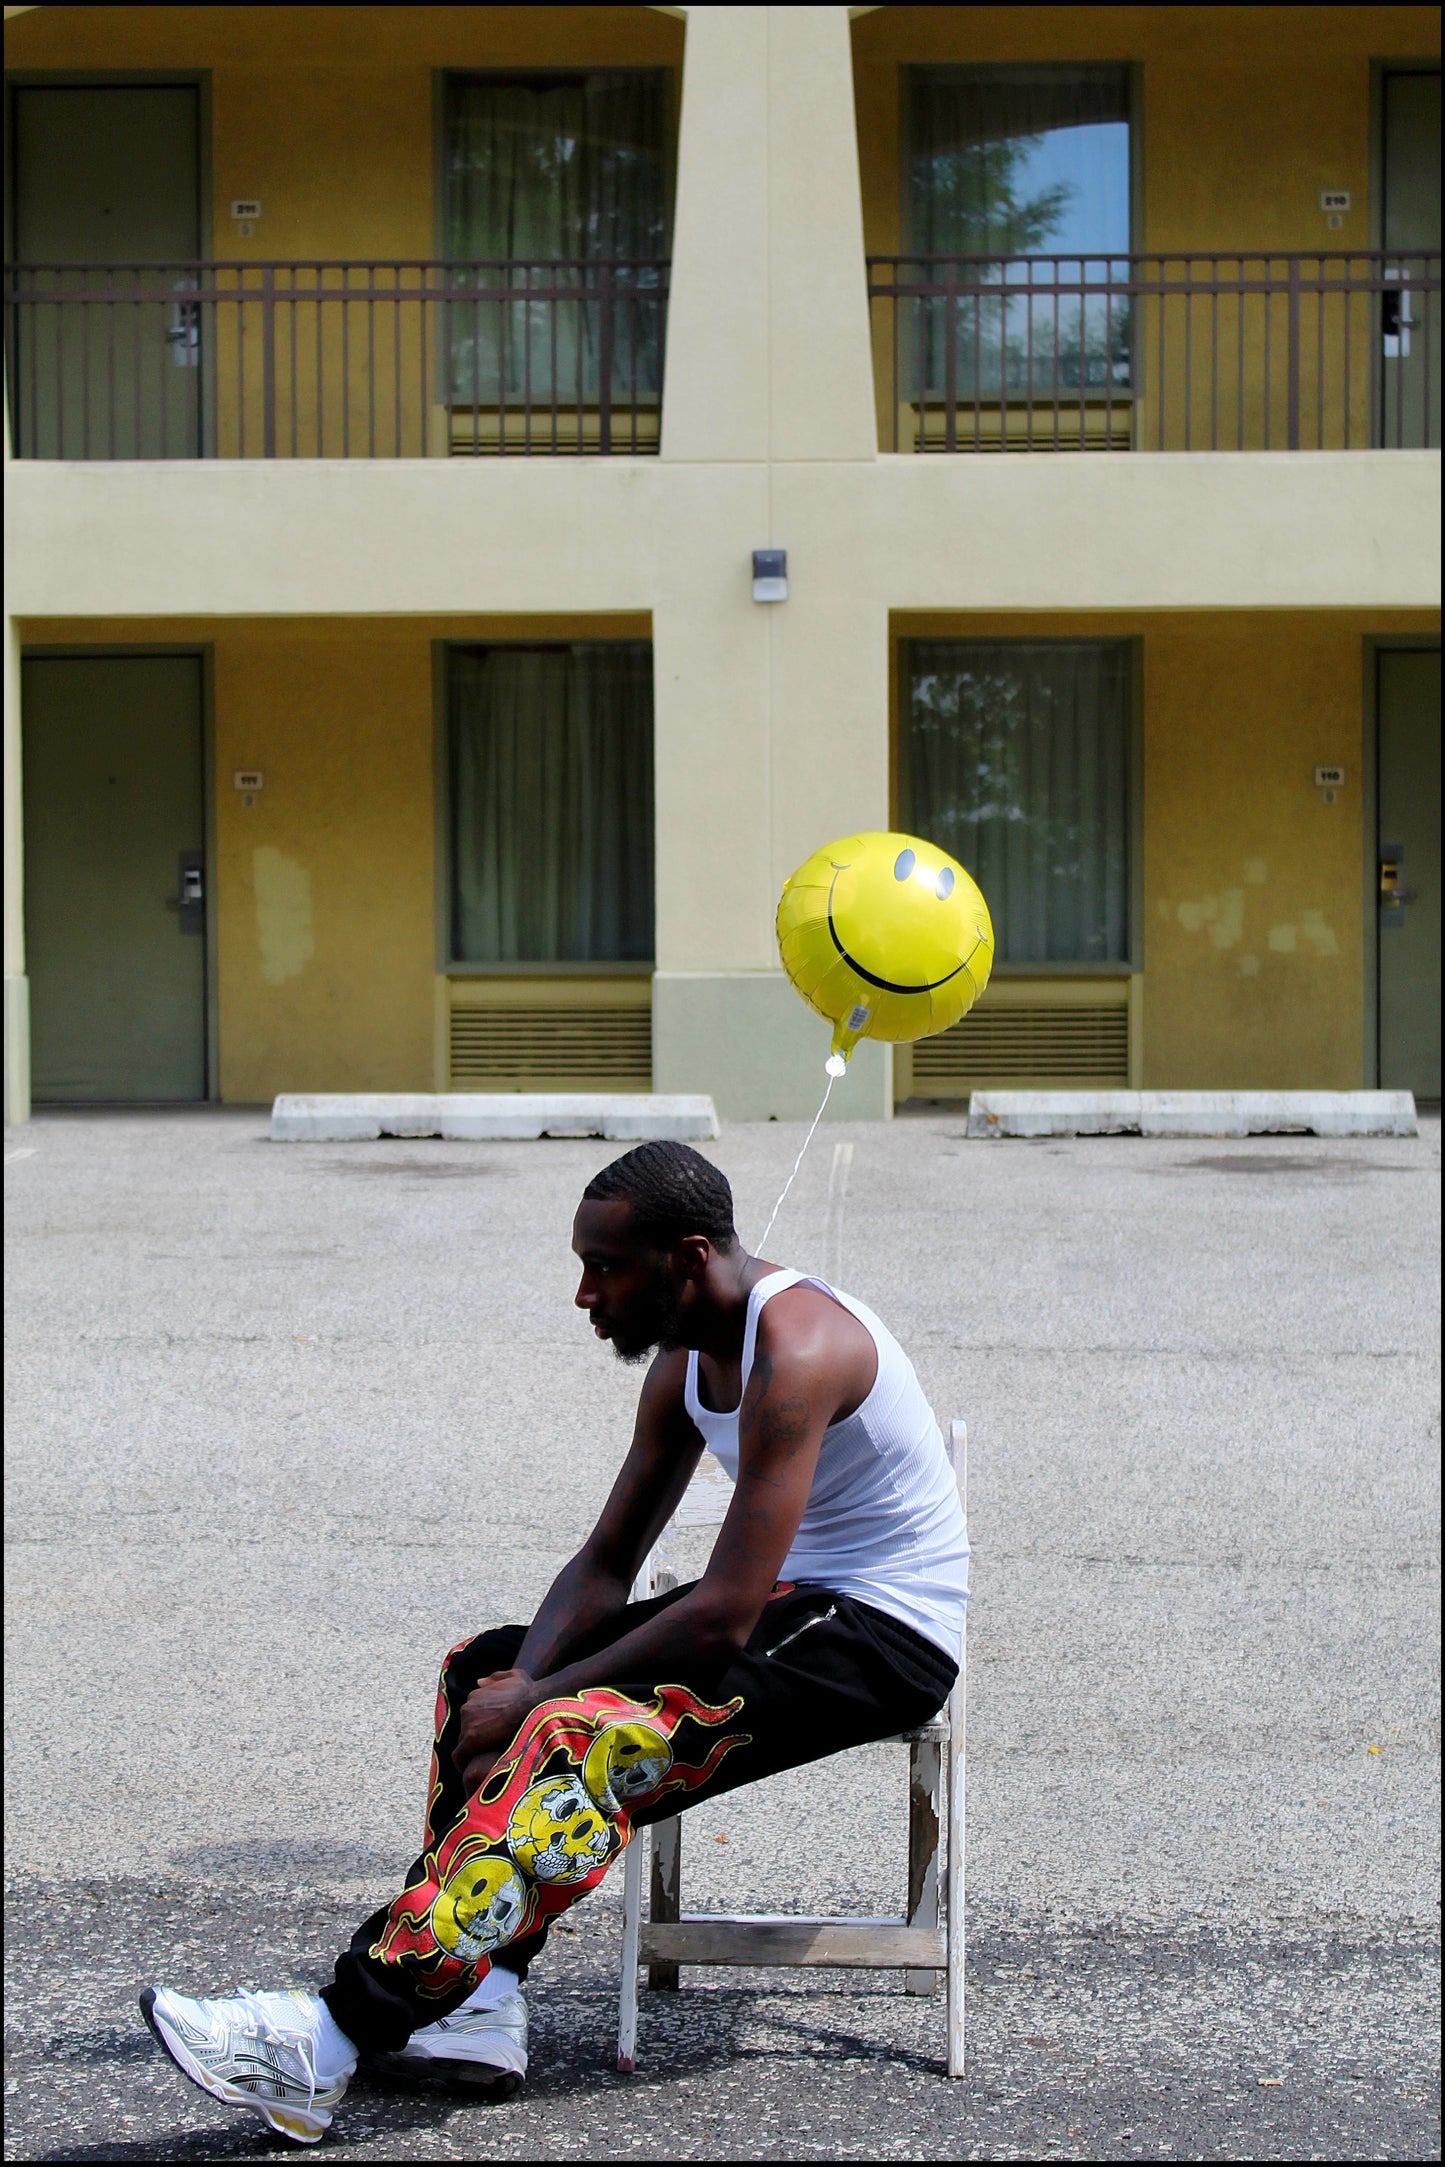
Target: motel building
[397,398]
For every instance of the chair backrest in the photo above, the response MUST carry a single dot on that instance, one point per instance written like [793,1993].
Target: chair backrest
[957,1449]
[707,1497]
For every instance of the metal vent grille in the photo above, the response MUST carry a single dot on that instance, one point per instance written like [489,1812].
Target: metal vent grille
[552,1048]
[539,429]
[1026,1045]
[988,428]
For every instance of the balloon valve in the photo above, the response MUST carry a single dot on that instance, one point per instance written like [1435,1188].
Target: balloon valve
[836,1065]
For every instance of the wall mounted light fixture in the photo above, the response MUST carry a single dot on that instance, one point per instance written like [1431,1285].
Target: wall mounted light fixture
[770,575]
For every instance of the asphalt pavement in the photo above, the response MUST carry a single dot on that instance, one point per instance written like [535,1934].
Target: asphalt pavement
[284,1421]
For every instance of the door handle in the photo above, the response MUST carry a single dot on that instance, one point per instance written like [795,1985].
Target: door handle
[190,903]
[1396,317]
[1394,895]
[184,330]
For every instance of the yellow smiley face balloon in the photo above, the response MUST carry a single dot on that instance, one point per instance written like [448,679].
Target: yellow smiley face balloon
[886,936]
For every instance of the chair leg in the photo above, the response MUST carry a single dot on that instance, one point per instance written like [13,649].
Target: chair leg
[649,1574]
[666,1903]
[631,1929]
[924,1812]
[955,1935]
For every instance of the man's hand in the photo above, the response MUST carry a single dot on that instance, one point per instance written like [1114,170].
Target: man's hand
[491,1716]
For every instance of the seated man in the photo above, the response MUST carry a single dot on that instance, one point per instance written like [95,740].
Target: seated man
[829,1614]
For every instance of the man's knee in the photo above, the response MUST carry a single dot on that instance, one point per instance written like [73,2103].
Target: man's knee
[476,1658]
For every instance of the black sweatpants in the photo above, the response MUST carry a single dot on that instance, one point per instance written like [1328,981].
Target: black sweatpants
[819,1673]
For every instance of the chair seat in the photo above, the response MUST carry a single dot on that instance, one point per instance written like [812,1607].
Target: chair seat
[935,1732]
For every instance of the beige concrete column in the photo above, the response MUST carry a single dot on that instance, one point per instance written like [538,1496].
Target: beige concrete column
[763,733]
[828,661]
[713,784]
[715,397]
[828,677]
[820,378]
[767,326]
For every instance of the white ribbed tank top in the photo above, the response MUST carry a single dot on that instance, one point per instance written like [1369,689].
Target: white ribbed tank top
[883,1522]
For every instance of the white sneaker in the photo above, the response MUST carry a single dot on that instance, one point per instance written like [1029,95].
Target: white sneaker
[484,2050]
[250,2050]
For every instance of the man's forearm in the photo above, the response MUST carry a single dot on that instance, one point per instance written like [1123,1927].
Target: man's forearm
[690,1639]
[688,1643]
[581,1601]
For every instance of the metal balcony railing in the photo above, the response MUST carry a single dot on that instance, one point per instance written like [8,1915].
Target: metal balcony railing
[417,359]
[334,360]
[1250,352]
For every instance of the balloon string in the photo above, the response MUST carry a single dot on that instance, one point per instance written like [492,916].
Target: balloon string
[767,1230]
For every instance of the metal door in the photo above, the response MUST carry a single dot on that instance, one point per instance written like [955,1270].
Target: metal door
[115,876]
[1408,699]
[106,177]
[1410,318]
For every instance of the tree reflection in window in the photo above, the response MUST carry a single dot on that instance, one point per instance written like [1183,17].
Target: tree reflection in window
[1014,163]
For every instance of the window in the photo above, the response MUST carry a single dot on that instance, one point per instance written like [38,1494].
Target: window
[1015,757]
[557,182]
[550,798]
[1006,166]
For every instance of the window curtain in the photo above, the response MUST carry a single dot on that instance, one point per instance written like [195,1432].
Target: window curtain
[1018,162]
[551,803]
[547,179]
[1016,759]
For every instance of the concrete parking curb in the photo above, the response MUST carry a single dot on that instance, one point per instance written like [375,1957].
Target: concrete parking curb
[1192,1113]
[490,1116]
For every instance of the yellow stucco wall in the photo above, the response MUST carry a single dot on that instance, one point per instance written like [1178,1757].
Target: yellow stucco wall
[323,889]
[772,724]
[1253,908]
[1254,921]
[326,113]
[1248,112]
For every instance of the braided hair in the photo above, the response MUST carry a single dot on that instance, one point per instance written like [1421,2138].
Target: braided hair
[673,1190]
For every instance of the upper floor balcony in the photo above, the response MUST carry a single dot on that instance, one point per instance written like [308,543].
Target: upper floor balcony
[363,233]
[1224,239]
[433,359]
[1249,352]
[380,233]
[342,360]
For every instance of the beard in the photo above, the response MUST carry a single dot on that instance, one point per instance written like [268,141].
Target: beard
[656,1326]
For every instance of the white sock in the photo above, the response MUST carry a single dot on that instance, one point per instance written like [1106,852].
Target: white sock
[498,1986]
[335,2054]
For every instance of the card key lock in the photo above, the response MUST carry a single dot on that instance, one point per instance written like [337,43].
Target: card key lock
[190,903]
[1394,895]
[1396,322]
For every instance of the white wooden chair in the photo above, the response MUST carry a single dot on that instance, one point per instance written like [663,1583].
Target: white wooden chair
[926,1940]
